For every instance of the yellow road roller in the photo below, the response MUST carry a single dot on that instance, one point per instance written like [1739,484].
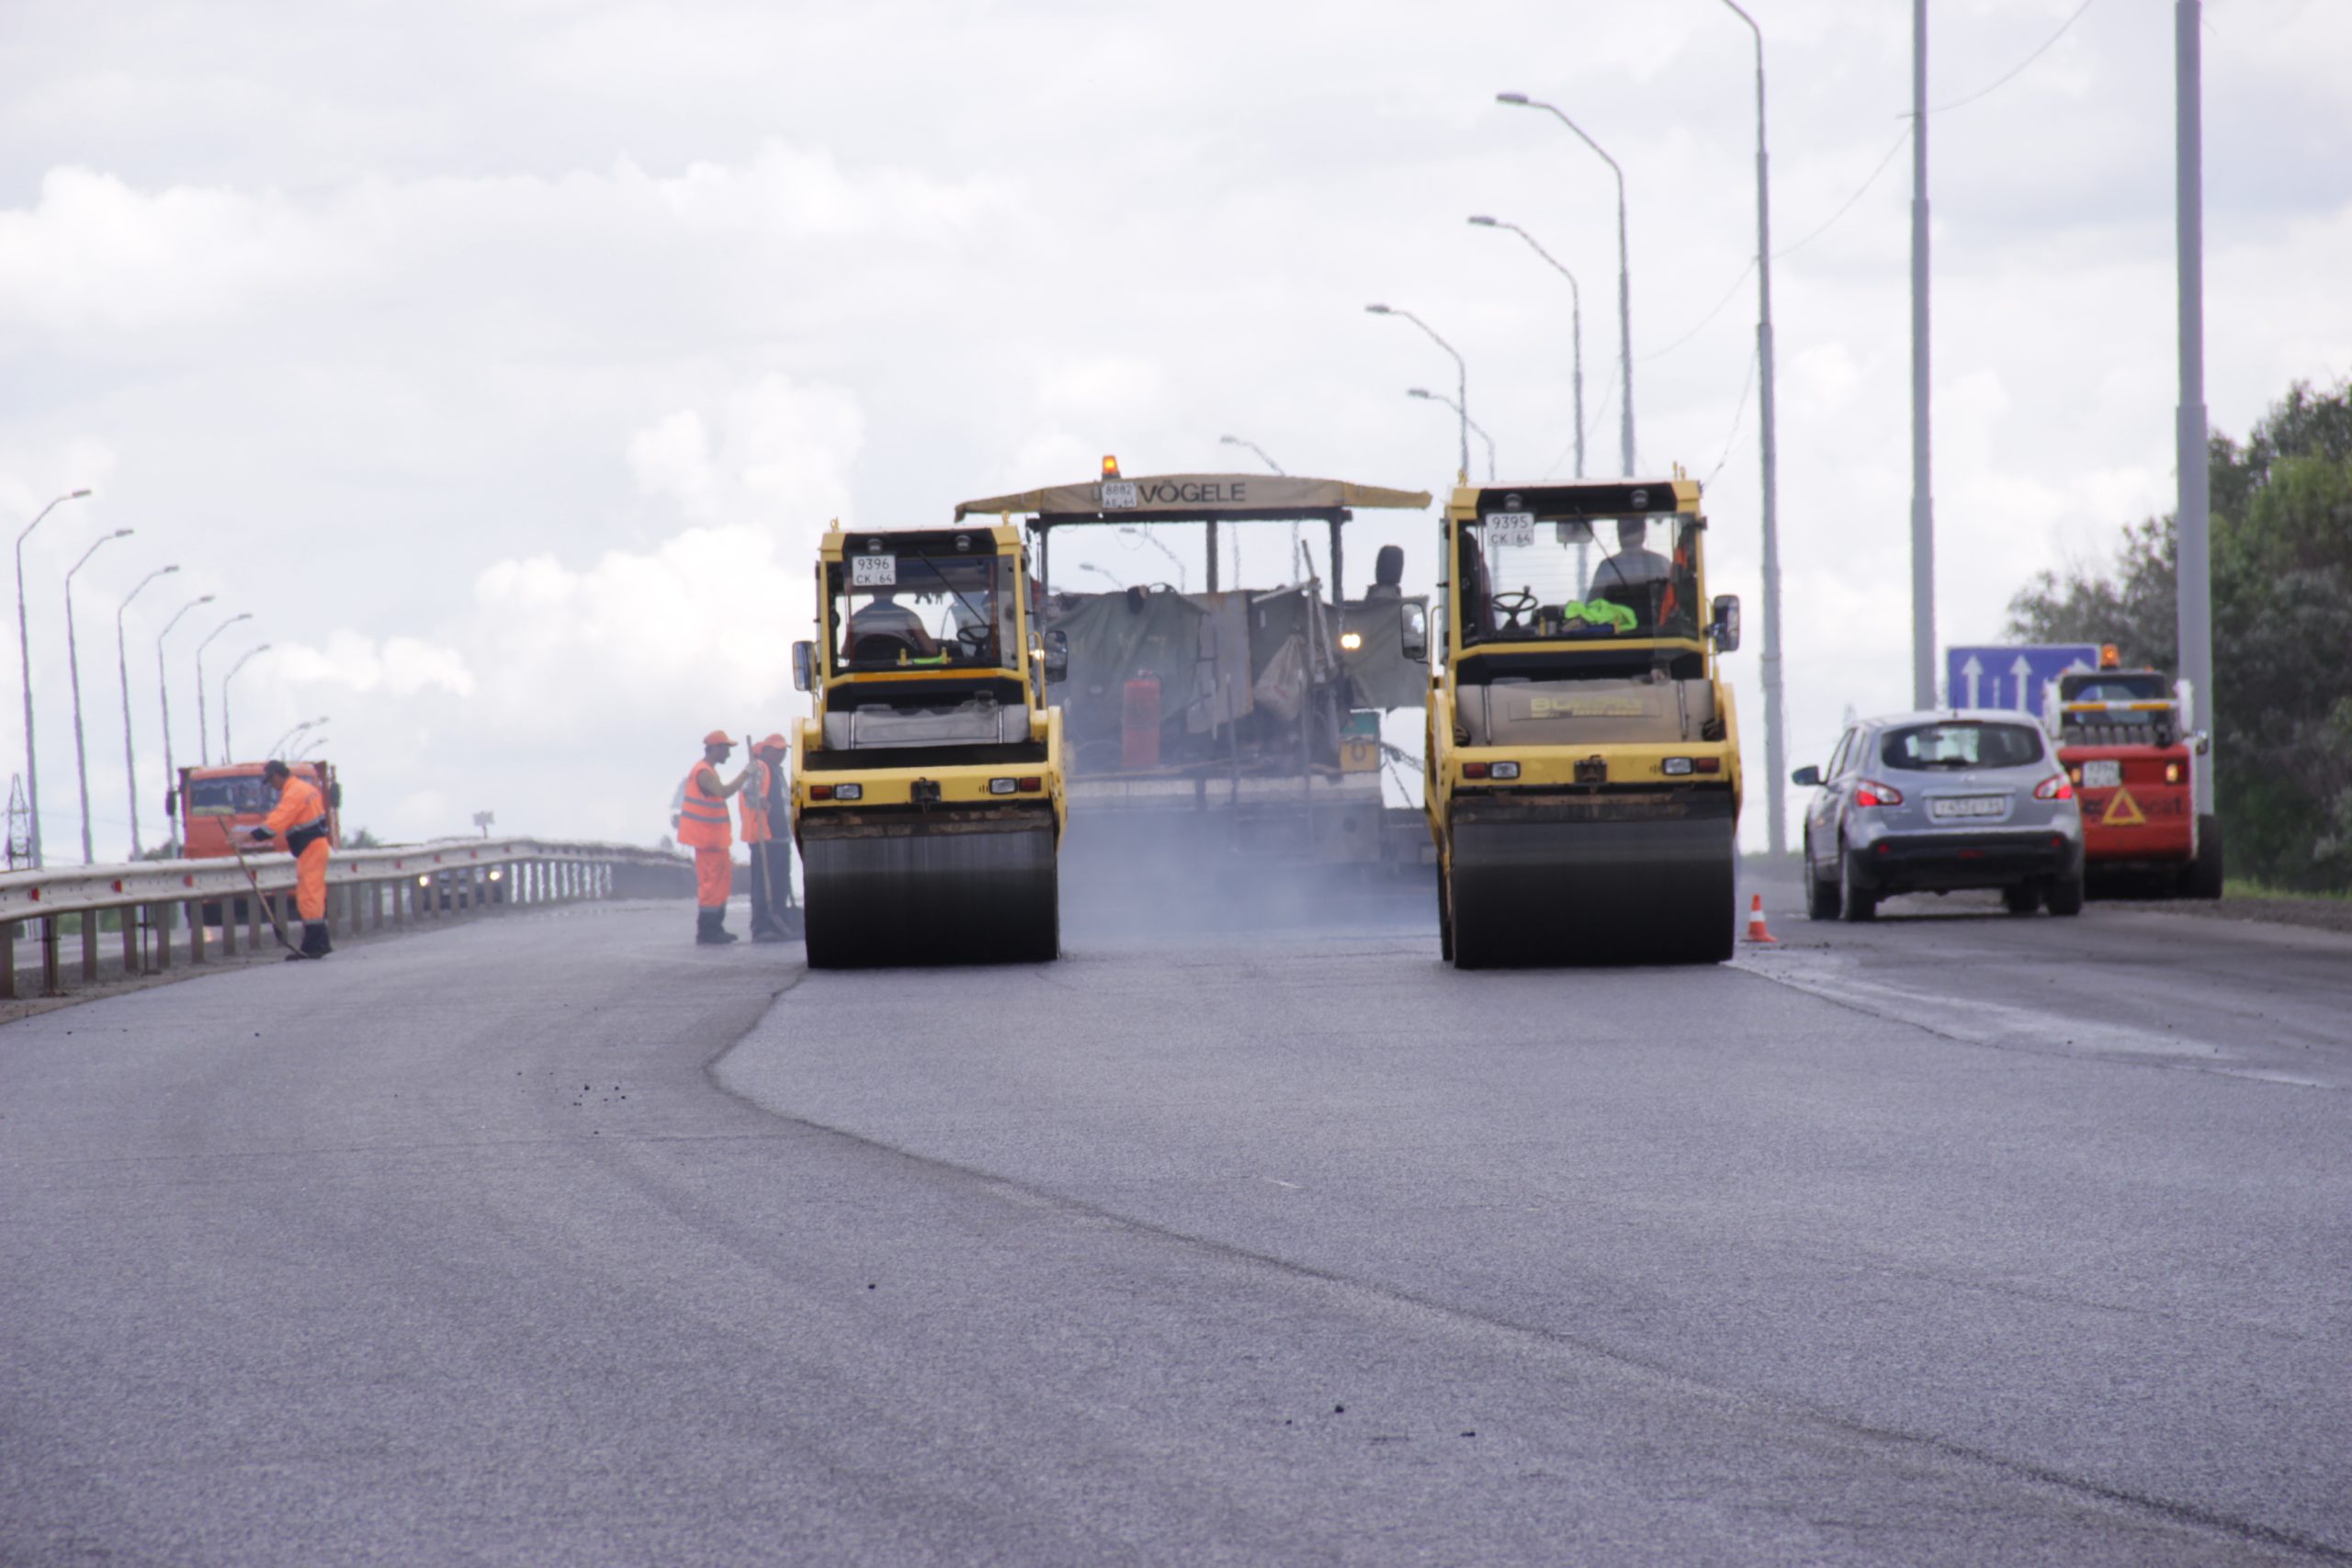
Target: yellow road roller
[1583,783]
[928,799]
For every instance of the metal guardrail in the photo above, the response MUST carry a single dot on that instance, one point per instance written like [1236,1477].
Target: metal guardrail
[163,905]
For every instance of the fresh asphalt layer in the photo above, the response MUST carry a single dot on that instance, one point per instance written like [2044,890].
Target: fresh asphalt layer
[555,1239]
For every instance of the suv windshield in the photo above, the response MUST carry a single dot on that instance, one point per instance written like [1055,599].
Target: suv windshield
[1526,577]
[890,610]
[1963,743]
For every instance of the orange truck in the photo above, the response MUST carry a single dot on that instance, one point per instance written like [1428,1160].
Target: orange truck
[2127,738]
[212,803]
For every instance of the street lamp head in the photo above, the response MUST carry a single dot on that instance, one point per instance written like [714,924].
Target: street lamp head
[1228,440]
[1518,98]
[205,600]
[121,533]
[76,495]
[1378,309]
[1483,221]
[1417,391]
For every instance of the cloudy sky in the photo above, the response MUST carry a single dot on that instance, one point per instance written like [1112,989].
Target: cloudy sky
[504,360]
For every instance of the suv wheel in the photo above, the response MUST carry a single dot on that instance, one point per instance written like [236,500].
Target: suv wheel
[1856,902]
[2066,896]
[1820,896]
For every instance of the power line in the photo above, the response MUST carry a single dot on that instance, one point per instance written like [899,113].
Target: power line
[1745,387]
[2019,68]
[1905,135]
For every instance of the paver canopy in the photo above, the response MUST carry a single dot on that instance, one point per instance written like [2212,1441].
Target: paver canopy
[1196,496]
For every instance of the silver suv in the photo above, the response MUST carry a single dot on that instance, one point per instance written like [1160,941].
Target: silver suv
[1935,802]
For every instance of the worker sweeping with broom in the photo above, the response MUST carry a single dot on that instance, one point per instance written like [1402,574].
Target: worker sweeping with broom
[300,818]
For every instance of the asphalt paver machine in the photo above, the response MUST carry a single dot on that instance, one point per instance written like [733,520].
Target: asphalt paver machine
[1583,783]
[1226,742]
[928,798]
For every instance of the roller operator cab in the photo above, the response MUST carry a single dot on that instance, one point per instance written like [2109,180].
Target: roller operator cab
[1583,780]
[928,801]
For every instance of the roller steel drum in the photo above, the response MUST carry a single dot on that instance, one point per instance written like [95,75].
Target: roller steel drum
[1592,884]
[934,888]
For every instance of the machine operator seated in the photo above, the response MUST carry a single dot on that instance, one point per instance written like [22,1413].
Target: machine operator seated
[882,630]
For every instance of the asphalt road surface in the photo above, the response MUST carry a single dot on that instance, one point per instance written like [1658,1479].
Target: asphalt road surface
[554,1239]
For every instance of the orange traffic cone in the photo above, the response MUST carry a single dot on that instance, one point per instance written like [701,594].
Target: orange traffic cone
[1756,929]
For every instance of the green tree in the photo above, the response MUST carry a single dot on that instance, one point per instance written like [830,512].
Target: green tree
[2283,632]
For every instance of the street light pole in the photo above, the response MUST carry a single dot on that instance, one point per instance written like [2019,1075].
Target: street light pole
[1461,379]
[25,664]
[73,672]
[227,740]
[287,738]
[123,662]
[1923,502]
[1775,770]
[203,730]
[2193,608]
[1624,285]
[1277,468]
[1449,403]
[1237,441]
[1576,317]
[164,685]
[1160,545]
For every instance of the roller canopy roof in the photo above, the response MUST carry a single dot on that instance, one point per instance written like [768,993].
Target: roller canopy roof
[1588,497]
[1197,498]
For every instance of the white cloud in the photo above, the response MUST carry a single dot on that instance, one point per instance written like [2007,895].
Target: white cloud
[94,252]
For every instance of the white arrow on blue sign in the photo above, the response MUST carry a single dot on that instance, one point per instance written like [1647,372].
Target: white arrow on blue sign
[2011,676]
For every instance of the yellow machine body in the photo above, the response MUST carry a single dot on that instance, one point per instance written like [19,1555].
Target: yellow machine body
[928,801]
[1583,774]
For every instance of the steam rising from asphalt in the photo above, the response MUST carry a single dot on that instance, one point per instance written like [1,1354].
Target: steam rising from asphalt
[1175,873]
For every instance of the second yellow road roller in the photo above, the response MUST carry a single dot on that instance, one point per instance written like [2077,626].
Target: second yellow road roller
[928,799]
[1583,783]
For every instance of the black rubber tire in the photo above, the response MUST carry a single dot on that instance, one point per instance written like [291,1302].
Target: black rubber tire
[1822,900]
[2203,879]
[2022,899]
[1444,921]
[1855,902]
[2065,896]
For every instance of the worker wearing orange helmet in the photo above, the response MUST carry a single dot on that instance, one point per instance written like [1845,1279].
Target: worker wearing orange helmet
[761,807]
[300,816]
[702,827]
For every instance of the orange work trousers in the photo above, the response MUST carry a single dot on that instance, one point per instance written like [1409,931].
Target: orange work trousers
[310,880]
[714,877]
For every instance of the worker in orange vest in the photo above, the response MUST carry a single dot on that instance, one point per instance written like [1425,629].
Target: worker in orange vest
[300,816]
[761,807]
[702,827]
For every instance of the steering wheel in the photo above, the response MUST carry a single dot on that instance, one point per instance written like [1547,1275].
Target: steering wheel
[975,639]
[1514,604]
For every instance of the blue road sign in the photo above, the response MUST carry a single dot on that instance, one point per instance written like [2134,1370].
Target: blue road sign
[2011,677]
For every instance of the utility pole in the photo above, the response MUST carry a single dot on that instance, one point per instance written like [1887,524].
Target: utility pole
[1775,763]
[24,664]
[1923,504]
[73,672]
[123,662]
[171,774]
[2192,541]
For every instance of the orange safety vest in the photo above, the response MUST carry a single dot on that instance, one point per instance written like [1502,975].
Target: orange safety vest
[702,818]
[753,802]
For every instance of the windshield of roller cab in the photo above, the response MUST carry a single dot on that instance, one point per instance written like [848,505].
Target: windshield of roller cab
[1529,579]
[893,610]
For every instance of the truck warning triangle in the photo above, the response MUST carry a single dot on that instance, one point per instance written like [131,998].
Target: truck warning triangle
[2123,812]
